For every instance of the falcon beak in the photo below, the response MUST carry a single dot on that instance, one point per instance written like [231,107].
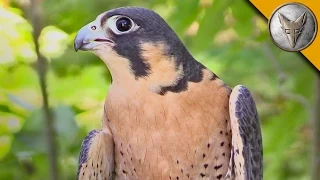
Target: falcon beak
[90,36]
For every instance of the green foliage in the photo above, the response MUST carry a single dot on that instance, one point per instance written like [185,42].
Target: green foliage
[227,36]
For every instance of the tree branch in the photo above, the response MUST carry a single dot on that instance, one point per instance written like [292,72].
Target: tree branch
[282,78]
[34,12]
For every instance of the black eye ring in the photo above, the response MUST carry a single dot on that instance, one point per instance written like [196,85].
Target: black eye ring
[123,24]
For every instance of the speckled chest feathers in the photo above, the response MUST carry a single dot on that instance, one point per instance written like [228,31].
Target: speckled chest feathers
[183,135]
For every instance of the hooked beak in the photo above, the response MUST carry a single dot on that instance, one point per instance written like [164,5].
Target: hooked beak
[89,37]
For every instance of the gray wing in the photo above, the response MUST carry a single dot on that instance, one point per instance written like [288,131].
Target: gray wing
[246,153]
[96,160]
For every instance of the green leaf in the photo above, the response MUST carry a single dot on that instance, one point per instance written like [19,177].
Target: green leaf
[243,15]
[210,24]
[187,13]
[65,125]
[5,144]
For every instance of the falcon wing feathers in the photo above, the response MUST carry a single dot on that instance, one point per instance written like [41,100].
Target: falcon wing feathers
[96,160]
[246,153]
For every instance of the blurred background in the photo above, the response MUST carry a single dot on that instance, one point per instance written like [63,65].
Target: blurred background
[51,97]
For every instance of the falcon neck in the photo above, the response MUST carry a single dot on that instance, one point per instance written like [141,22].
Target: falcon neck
[168,69]
[165,75]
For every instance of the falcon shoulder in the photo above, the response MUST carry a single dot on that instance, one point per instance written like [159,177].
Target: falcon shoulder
[246,153]
[96,160]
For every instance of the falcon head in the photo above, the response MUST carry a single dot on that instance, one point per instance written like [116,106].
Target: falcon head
[137,44]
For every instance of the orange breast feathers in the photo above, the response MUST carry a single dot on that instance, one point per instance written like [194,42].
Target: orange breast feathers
[180,127]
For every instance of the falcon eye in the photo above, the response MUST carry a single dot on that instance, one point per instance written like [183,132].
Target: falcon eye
[119,24]
[123,24]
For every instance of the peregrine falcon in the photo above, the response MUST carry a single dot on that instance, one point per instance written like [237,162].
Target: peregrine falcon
[166,115]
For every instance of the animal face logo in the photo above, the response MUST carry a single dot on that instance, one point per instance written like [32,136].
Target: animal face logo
[292,29]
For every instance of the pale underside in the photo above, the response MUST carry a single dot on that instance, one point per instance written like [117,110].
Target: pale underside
[184,135]
[179,135]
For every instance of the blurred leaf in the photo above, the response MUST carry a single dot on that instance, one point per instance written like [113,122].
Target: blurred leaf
[31,137]
[212,21]
[184,15]
[53,41]
[9,123]
[90,82]
[243,15]
[19,102]
[5,142]
[90,119]
[18,77]
[65,125]
[15,42]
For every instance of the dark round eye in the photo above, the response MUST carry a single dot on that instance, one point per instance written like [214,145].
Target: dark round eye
[123,24]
